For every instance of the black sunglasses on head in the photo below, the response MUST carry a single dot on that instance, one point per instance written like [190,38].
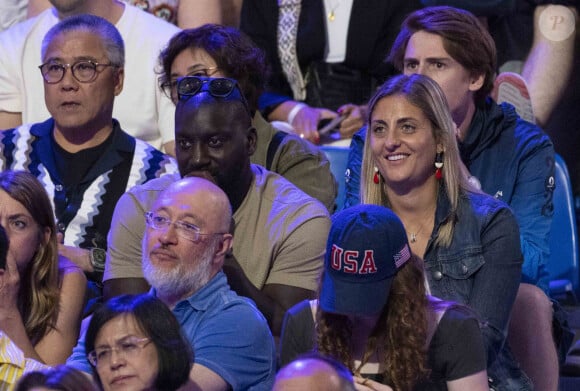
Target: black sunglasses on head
[220,87]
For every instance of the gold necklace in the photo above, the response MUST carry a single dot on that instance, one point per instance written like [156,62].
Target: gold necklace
[331,15]
[413,234]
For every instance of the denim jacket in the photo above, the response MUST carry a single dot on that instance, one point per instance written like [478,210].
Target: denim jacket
[514,162]
[482,265]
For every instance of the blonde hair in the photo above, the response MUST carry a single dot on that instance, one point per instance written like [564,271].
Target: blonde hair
[39,285]
[425,94]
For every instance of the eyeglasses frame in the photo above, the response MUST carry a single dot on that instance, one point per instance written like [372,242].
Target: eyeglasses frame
[177,224]
[169,85]
[92,355]
[64,68]
[208,80]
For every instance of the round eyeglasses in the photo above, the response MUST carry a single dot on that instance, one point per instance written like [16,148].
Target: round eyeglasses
[84,71]
[128,348]
[183,229]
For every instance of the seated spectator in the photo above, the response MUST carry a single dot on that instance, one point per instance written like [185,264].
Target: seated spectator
[184,248]
[327,57]
[149,349]
[470,240]
[279,230]
[60,378]
[142,109]
[219,51]
[314,372]
[374,316]
[41,294]
[508,158]
[542,53]
[82,134]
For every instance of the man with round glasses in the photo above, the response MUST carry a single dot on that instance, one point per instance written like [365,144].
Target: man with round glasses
[81,155]
[142,109]
[279,231]
[84,71]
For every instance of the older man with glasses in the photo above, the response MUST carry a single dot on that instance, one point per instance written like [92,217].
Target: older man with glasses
[280,232]
[142,109]
[81,155]
[185,242]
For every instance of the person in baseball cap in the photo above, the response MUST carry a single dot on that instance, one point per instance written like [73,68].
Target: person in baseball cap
[374,315]
[366,246]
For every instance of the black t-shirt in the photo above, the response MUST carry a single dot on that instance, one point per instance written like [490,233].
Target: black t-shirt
[72,167]
[456,349]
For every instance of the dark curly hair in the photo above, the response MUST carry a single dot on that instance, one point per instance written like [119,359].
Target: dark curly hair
[233,52]
[399,337]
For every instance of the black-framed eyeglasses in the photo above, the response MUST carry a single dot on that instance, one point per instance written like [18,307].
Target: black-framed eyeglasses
[129,347]
[219,87]
[183,229]
[84,71]
[169,87]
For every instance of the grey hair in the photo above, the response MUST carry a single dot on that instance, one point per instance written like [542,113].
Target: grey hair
[110,36]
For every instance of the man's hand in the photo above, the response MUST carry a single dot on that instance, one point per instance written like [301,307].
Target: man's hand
[302,118]
[305,123]
[79,256]
[355,117]
[273,300]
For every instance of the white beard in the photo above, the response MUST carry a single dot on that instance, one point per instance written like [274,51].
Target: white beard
[184,279]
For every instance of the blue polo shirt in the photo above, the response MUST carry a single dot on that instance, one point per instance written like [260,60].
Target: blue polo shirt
[228,335]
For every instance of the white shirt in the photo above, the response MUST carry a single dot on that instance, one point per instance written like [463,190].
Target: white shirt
[337,14]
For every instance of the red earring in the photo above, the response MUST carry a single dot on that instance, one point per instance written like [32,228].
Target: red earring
[376,177]
[438,165]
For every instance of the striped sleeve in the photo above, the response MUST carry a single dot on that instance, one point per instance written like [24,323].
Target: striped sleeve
[13,364]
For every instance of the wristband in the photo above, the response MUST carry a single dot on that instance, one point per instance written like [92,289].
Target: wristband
[294,112]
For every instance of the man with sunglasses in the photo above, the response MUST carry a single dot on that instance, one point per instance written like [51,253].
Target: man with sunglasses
[81,155]
[220,51]
[280,232]
[142,109]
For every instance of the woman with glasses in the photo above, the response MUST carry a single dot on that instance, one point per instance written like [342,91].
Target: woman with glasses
[135,343]
[218,51]
[41,293]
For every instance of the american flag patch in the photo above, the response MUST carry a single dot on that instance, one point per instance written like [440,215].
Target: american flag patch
[402,256]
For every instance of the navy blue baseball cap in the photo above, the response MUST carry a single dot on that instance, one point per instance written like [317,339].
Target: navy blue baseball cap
[366,246]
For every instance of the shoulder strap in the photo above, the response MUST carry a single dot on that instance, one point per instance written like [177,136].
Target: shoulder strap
[314,308]
[436,317]
[288,17]
[273,147]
